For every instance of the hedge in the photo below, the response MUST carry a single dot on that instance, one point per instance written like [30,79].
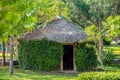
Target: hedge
[40,55]
[86,58]
[100,76]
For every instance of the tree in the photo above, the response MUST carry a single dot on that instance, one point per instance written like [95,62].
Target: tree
[18,19]
[95,12]
[3,30]
[20,16]
[3,52]
[49,9]
[110,28]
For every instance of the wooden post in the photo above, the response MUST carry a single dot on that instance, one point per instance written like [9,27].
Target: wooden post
[62,63]
[74,64]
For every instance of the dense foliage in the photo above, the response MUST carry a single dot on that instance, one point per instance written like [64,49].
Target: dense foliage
[41,55]
[100,76]
[46,55]
[107,41]
[107,56]
[85,57]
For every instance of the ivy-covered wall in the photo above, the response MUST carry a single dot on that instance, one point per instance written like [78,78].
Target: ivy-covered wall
[41,55]
[46,55]
[86,58]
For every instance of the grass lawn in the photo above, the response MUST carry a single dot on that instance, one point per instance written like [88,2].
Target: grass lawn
[112,68]
[30,75]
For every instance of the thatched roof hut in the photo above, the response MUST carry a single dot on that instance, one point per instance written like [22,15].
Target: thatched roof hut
[59,30]
[62,31]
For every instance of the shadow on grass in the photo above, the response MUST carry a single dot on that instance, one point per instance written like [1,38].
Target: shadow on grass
[27,74]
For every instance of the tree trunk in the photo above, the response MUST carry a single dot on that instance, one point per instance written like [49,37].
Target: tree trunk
[3,53]
[17,48]
[100,50]
[11,54]
[6,52]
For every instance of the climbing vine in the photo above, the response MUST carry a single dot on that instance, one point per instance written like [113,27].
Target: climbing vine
[40,55]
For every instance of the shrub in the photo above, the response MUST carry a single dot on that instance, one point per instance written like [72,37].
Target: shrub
[86,58]
[107,56]
[40,55]
[107,41]
[100,76]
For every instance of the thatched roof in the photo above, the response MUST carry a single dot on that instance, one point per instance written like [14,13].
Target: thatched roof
[59,30]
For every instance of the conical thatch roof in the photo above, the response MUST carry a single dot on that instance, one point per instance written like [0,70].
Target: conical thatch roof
[59,30]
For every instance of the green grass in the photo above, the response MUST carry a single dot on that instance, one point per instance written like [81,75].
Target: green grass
[111,68]
[30,75]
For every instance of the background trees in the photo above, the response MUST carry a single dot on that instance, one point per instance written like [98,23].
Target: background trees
[96,14]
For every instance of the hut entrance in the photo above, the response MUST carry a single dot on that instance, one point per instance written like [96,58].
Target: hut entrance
[68,57]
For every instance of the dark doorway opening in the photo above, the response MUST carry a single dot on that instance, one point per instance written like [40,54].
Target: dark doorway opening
[68,57]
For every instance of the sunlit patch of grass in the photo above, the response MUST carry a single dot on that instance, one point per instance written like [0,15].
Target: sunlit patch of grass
[4,73]
[30,75]
[8,55]
[116,52]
